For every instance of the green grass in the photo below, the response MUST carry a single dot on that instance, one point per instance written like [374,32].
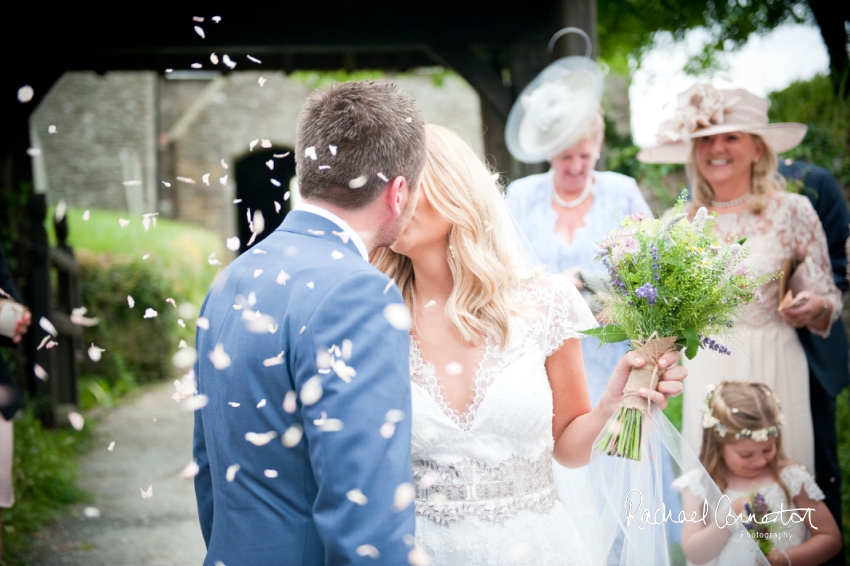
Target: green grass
[45,468]
[178,250]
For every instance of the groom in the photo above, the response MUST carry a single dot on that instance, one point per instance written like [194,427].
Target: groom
[306,434]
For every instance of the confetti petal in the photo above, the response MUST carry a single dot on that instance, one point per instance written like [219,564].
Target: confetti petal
[203,323]
[430,304]
[332,149]
[261,404]
[252,144]
[417,556]
[395,416]
[331,425]
[356,496]
[234,404]
[200,31]
[368,550]
[150,313]
[111,446]
[131,301]
[257,273]
[260,439]
[266,143]
[270,473]
[398,316]
[336,254]
[275,361]
[191,470]
[383,177]
[312,390]
[123,222]
[195,403]
[357,182]
[404,495]
[86,216]
[311,153]
[387,430]
[270,164]
[95,353]
[289,402]
[184,357]
[219,357]
[213,58]
[76,419]
[25,94]
[147,494]
[206,178]
[254,59]
[48,327]
[261,81]
[230,475]
[292,436]
[39,372]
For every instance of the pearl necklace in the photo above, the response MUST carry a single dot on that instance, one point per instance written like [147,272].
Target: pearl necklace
[730,203]
[573,203]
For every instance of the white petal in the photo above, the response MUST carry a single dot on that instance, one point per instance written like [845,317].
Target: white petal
[277,205]
[257,273]
[206,179]
[311,153]
[289,402]
[331,425]
[275,182]
[48,327]
[150,313]
[232,243]
[191,470]
[336,254]
[275,361]
[39,372]
[395,416]
[270,164]
[216,19]
[131,301]
[356,496]
[51,129]
[200,31]
[292,436]
[387,430]
[358,182]
[111,446]
[266,143]
[195,403]
[404,495]
[261,81]
[123,222]
[383,177]
[254,59]
[398,316]
[234,404]
[252,144]
[270,473]
[430,304]
[25,93]
[95,353]
[214,58]
[261,404]
[76,419]
[86,216]
[260,439]
[184,357]
[219,357]
[91,512]
[182,344]
[203,323]
[312,390]
[368,550]
[147,494]
[230,475]
[181,323]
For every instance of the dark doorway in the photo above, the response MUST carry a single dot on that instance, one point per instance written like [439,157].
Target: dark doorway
[259,187]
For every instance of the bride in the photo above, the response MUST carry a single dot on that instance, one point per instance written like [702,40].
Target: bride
[498,382]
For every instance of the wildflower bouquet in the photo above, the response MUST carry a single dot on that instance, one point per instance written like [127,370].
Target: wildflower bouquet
[760,522]
[672,284]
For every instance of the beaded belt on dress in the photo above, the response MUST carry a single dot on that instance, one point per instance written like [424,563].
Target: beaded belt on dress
[448,494]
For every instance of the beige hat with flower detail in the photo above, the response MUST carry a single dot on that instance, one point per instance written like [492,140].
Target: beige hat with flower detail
[705,111]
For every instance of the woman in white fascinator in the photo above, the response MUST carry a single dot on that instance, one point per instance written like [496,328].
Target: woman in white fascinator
[730,148]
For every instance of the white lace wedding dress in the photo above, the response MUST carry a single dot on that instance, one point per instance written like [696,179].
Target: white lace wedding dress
[484,485]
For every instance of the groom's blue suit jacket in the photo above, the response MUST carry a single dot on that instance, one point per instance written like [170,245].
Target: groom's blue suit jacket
[283,312]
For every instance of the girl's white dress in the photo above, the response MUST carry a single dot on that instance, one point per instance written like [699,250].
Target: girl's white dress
[484,484]
[764,348]
[738,551]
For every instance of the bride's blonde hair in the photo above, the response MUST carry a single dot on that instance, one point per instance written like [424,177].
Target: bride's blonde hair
[464,192]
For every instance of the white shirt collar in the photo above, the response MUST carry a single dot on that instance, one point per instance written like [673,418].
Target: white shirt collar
[324,213]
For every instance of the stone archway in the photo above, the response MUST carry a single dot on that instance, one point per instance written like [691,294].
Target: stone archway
[259,187]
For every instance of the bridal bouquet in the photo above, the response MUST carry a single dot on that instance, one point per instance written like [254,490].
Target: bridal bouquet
[672,284]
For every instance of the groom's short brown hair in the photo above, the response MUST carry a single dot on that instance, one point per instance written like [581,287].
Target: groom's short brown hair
[352,137]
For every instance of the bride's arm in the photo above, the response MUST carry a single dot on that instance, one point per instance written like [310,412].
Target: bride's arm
[575,425]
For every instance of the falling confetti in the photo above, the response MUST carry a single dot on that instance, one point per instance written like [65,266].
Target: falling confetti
[146,256]
[260,439]
[132,183]
[395,416]
[33,152]
[200,31]
[191,470]
[219,357]
[197,18]
[347,345]
[336,254]
[387,430]
[166,183]
[292,436]
[51,129]
[277,204]
[48,327]
[233,243]
[356,496]
[266,143]
[404,495]
[383,177]
[285,198]
[86,216]
[95,353]
[228,61]
[196,66]
[430,304]
[331,425]
[214,58]
[187,180]
[343,371]
[123,222]
[332,149]
[389,285]
[224,164]
[76,419]
[111,446]
[262,81]
[270,473]
[216,19]
[312,391]
[131,301]
[150,313]
[311,153]
[417,556]
[358,182]
[261,404]
[275,182]
[398,316]
[252,144]
[254,59]
[39,372]
[182,343]
[91,512]
[25,94]
[270,164]
[368,550]
[311,285]
[257,273]
[342,236]
[194,403]
[183,389]
[184,357]
[323,167]
[234,404]
[206,179]
[230,475]
[289,402]
[223,182]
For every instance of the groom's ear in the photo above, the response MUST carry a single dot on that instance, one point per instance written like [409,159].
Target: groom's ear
[397,194]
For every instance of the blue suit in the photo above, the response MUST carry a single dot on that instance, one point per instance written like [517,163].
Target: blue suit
[308,293]
[828,372]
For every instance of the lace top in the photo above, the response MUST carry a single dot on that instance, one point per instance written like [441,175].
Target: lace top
[796,478]
[495,459]
[787,228]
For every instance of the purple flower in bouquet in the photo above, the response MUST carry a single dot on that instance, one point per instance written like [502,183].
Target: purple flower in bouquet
[656,262]
[648,292]
[714,346]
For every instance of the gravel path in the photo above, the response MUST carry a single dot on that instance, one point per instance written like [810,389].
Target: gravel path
[153,443]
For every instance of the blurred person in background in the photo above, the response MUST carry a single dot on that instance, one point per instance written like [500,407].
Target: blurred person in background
[10,397]
[729,148]
[827,357]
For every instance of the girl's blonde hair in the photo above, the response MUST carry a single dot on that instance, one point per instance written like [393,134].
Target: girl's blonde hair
[465,193]
[765,179]
[740,405]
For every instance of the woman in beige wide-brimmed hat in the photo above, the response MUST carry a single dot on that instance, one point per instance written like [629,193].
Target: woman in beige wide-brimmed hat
[730,148]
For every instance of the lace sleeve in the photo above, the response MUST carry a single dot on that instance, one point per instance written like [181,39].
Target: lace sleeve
[692,481]
[796,477]
[568,312]
[808,239]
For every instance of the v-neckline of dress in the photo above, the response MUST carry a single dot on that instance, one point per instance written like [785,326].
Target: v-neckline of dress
[424,374]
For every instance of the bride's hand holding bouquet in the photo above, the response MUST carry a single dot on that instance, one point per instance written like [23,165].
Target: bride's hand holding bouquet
[672,285]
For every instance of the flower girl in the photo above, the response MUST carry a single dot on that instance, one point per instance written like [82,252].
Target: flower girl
[777,500]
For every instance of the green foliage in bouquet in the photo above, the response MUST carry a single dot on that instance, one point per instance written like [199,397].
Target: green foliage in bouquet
[760,522]
[672,277]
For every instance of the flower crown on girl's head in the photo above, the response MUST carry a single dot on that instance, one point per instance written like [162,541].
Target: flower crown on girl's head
[712,422]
